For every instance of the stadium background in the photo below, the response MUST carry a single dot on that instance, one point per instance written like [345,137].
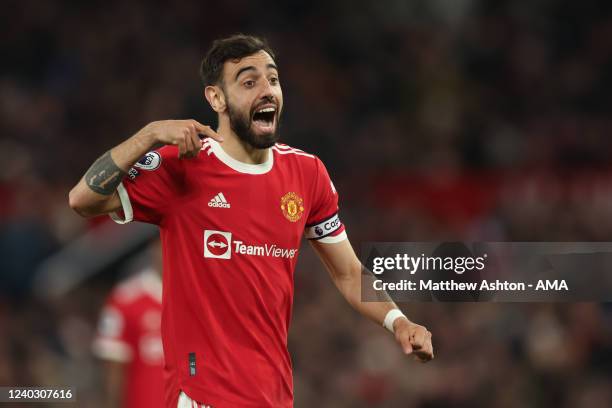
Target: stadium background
[438,120]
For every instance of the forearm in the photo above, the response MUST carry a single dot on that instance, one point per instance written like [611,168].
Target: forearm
[356,283]
[357,286]
[131,150]
[345,270]
[95,192]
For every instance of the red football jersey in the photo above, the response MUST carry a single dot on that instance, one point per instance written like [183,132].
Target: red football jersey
[129,332]
[230,234]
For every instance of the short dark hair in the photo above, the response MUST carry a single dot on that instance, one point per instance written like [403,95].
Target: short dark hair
[234,47]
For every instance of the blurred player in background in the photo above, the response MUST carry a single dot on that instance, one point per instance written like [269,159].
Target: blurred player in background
[129,339]
[232,210]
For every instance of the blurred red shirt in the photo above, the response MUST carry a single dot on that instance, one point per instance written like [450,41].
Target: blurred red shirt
[129,332]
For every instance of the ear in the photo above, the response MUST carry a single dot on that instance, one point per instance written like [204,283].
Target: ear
[215,97]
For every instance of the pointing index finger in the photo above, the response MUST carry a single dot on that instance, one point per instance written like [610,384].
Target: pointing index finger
[207,131]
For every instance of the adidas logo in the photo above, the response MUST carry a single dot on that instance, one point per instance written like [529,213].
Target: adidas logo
[219,201]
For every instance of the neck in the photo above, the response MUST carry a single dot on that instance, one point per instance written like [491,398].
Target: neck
[240,150]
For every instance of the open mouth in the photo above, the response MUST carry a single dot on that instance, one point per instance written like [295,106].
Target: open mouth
[264,117]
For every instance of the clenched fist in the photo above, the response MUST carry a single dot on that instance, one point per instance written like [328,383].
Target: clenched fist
[414,339]
[185,134]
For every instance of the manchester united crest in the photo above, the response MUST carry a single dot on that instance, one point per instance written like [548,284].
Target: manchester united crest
[292,206]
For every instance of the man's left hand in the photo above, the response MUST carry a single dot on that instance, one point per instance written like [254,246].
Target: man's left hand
[414,339]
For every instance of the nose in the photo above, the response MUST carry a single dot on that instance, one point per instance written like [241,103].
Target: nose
[267,91]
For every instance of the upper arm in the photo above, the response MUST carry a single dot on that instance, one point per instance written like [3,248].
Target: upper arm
[339,259]
[323,223]
[112,204]
[88,203]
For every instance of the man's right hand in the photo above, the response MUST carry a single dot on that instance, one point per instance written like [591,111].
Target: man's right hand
[185,134]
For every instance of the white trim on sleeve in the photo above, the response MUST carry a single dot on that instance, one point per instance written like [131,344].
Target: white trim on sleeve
[112,349]
[125,204]
[332,240]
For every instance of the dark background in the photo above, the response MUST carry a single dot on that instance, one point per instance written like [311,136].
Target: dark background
[438,120]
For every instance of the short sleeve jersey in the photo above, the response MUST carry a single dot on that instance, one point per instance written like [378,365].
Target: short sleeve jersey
[230,234]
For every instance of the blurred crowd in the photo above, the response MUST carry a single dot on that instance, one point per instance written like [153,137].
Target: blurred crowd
[437,119]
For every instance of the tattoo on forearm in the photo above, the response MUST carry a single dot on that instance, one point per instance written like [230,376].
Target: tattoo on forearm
[104,175]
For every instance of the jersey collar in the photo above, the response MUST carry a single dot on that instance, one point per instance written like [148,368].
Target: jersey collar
[239,166]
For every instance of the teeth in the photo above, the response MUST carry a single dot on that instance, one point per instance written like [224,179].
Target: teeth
[266,110]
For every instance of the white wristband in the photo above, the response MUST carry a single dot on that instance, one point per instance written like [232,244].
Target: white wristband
[390,318]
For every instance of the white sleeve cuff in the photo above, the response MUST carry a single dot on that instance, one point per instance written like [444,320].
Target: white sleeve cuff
[112,349]
[125,204]
[332,240]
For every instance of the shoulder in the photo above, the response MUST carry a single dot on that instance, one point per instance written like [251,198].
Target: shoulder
[282,149]
[165,158]
[286,154]
[308,164]
[155,158]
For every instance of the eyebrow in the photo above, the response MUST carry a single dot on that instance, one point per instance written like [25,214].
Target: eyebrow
[252,68]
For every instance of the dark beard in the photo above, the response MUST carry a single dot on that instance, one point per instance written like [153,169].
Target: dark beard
[242,127]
